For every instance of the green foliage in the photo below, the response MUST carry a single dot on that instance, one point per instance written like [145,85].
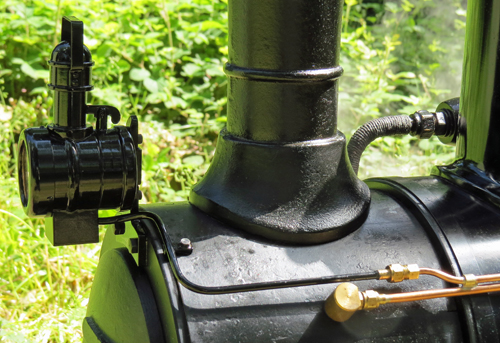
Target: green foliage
[399,57]
[162,60]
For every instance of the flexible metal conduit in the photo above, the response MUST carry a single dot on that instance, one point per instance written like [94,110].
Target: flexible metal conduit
[380,127]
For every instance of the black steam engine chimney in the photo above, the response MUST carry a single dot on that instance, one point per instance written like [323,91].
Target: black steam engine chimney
[281,168]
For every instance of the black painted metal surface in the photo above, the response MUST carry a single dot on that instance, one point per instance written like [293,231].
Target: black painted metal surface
[280,168]
[172,251]
[70,77]
[427,221]
[224,256]
[467,229]
[298,39]
[299,192]
[99,171]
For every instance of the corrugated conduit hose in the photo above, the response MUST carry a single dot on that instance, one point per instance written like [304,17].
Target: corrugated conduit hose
[380,127]
[443,123]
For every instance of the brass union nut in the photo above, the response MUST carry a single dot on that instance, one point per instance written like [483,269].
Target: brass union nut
[412,271]
[371,299]
[397,272]
[400,273]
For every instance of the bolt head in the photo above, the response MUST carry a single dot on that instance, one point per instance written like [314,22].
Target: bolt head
[184,247]
[186,242]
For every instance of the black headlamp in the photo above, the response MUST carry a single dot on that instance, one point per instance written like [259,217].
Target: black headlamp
[68,170]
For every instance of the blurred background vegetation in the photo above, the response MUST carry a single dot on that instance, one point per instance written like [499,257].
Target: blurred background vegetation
[162,60]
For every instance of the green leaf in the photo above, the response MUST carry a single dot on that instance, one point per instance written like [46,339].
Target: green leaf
[5,72]
[123,66]
[42,73]
[28,70]
[178,102]
[151,85]
[137,74]
[193,160]
[38,90]
[406,75]
[17,60]
[210,24]
[191,69]
[214,71]
[103,51]
[391,7]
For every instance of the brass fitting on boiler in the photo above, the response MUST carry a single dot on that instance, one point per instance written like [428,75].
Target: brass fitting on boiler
[470,281]
[397,272]
[344,302]
[347,298]
[373,299]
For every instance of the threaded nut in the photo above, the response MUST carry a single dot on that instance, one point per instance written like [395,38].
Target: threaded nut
[397,272]
[371,299]
[412,272]
[400,272]
[424,124]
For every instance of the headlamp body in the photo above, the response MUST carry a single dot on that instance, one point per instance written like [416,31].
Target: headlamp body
[68,170]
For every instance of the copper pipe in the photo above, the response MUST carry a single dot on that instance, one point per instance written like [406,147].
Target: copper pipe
[459,280]
[488,278]
[438,293]
[346,299]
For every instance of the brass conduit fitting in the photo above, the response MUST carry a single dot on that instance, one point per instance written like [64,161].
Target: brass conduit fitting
[398,273]
[347,299]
